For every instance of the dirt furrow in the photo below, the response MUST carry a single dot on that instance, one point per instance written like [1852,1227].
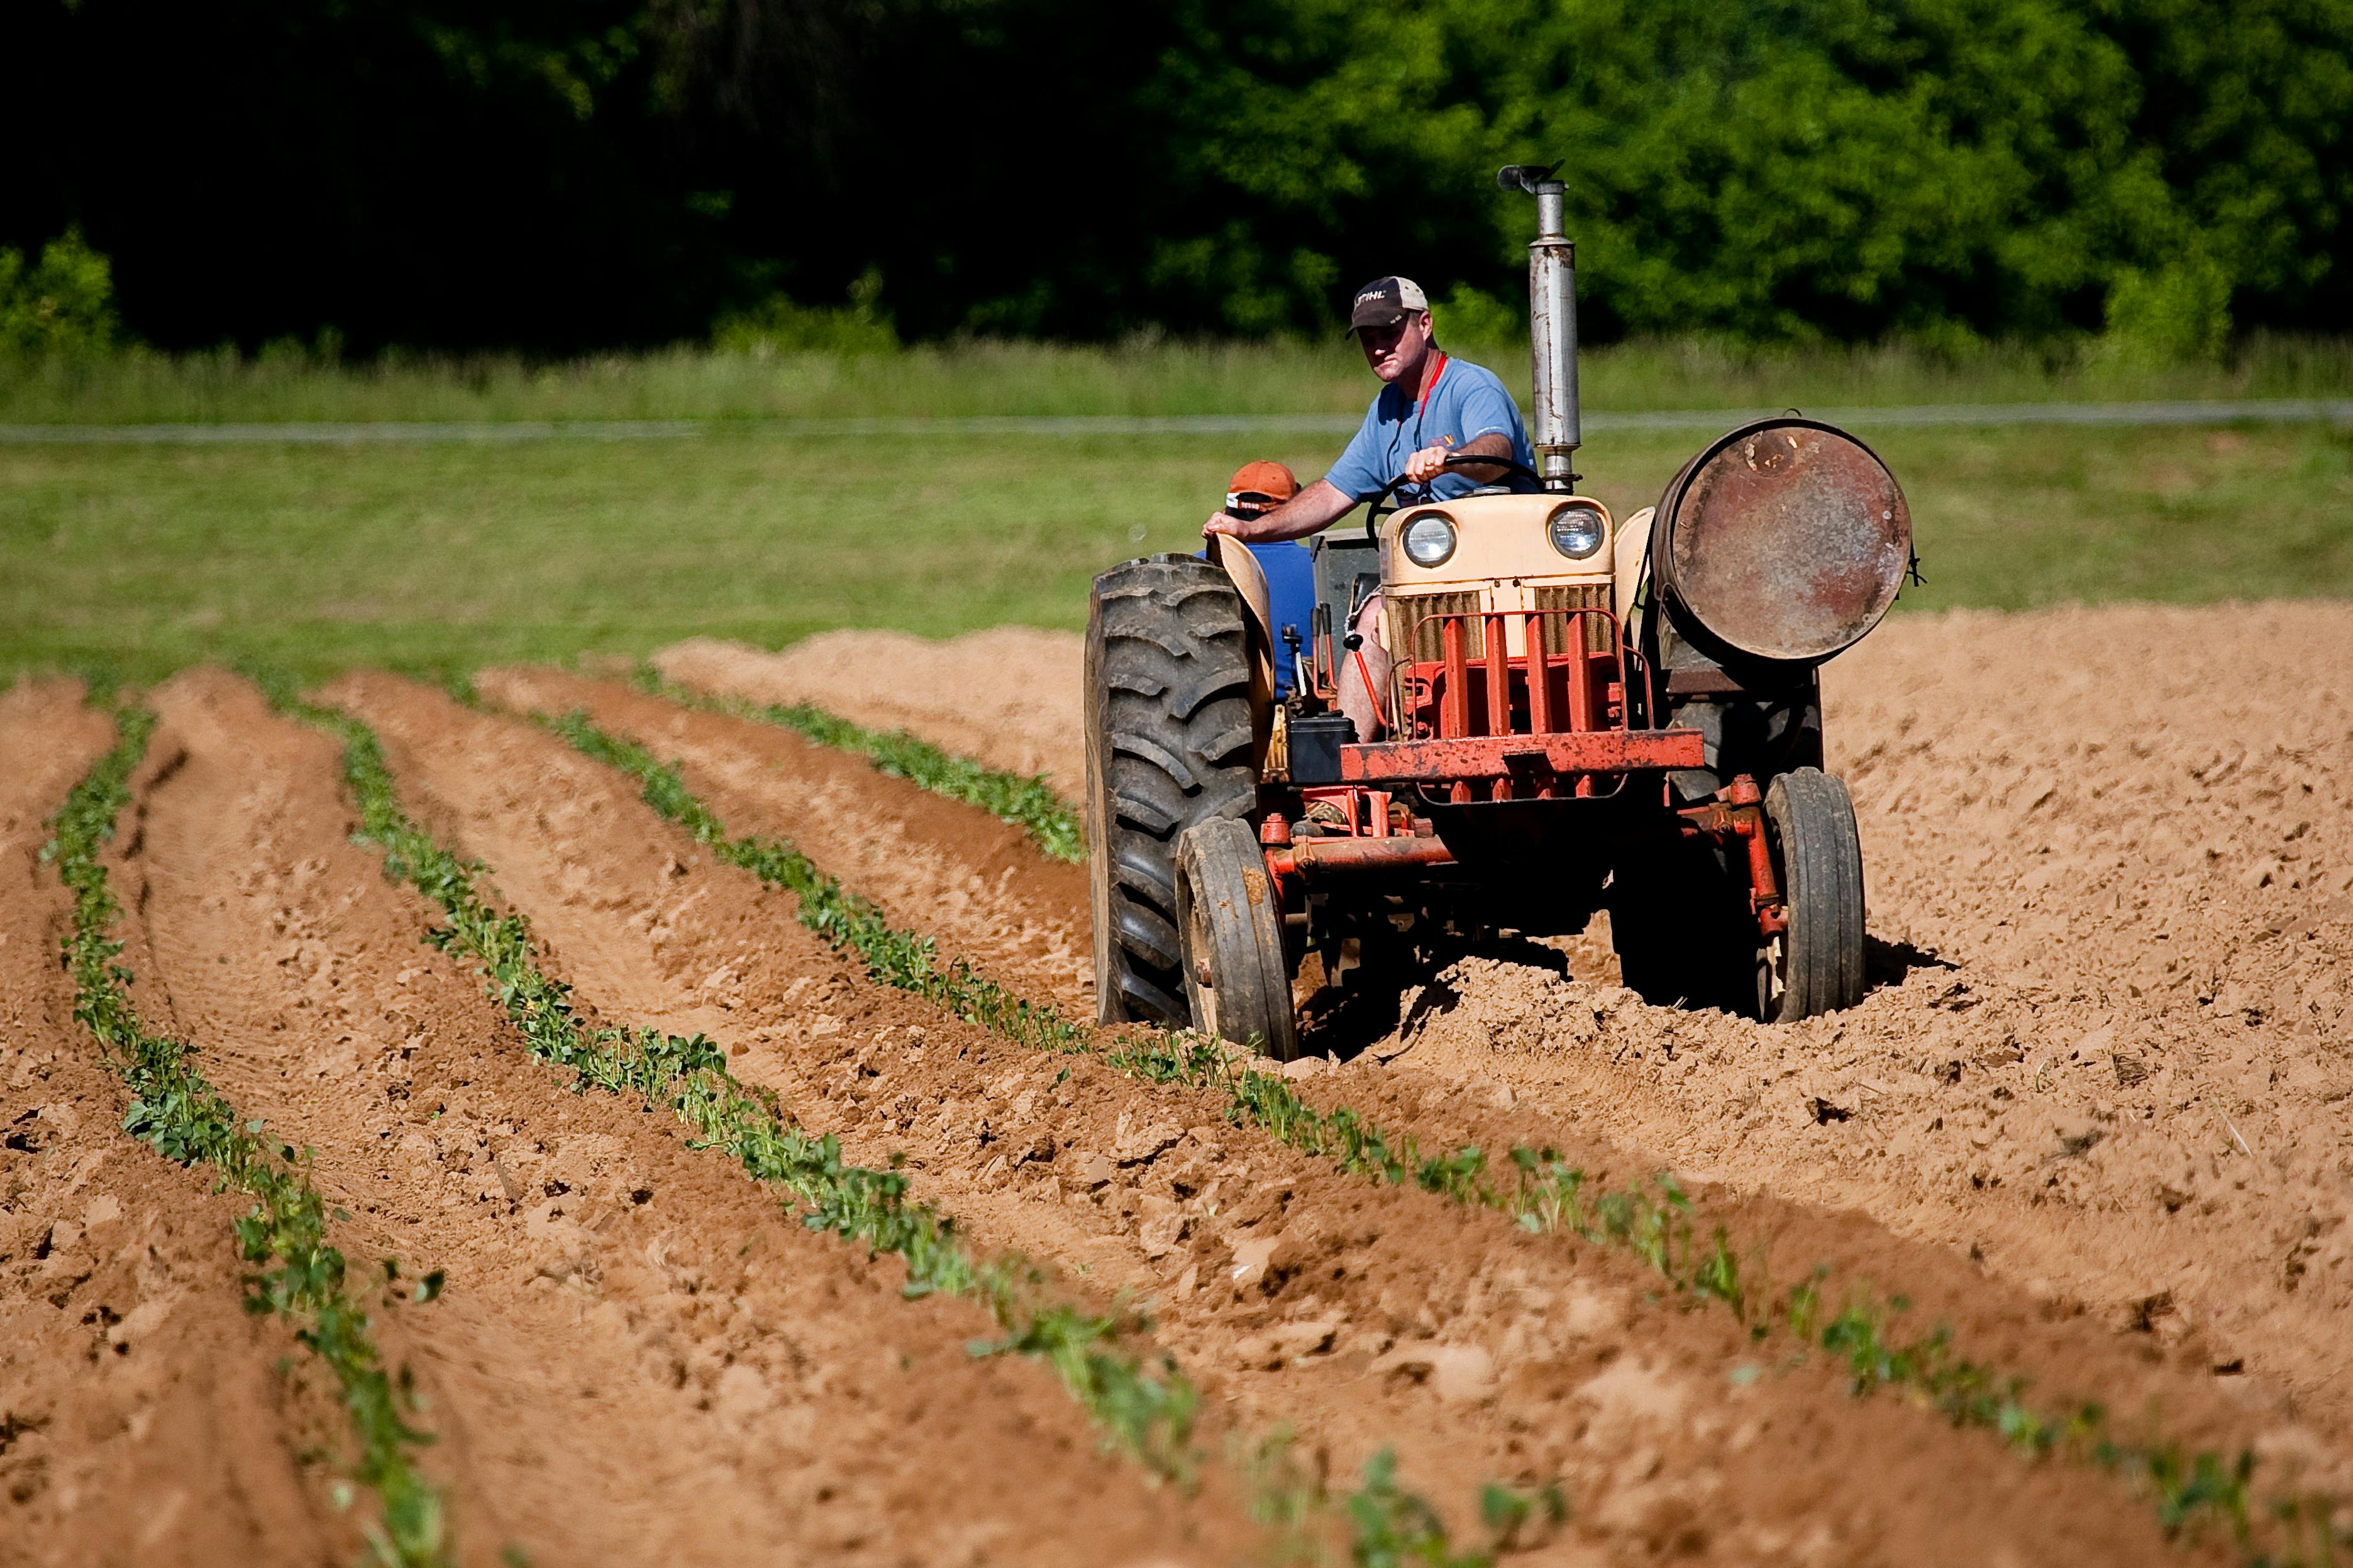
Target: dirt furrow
[2111,867]
[1008,696]
[128,1364]
[2114,1055]
[1367,1315]
[1451,1097]
[977,883]
[639,1355]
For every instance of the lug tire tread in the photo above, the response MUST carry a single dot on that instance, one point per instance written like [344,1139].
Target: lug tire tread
[1168,746]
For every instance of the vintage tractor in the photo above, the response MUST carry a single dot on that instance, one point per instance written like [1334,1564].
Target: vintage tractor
[1582,714]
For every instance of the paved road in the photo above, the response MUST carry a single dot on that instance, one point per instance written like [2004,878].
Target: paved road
[2252,411]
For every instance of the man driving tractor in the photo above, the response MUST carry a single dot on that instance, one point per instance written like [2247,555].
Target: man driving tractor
[1583,713]
[1430,408]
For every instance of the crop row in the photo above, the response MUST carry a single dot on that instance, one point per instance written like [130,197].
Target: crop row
[1148,1409]
[1028,802]
[302,1280]
[2190,1489]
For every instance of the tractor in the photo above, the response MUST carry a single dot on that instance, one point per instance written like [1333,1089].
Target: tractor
[1582,713]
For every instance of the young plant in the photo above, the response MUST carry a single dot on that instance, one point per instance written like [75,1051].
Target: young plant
[1029,803]
[300,1277]
[2189,1492]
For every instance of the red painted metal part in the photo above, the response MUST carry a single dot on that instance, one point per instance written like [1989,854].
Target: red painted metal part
[1527,757]
[1455,706]
[1317,859]
[1738,812]
[1436,698]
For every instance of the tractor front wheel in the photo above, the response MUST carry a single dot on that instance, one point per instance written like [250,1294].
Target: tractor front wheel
[1815,966]
[1236,976]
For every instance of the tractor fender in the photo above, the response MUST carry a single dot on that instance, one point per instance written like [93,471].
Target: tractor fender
[1232,557]
[1630,560]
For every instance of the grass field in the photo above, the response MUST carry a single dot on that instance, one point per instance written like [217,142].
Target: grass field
[436,558]
[1139,378]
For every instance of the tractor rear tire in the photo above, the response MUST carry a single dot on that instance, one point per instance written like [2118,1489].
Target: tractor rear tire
[1237,977]
[1816,965]
[1168,747]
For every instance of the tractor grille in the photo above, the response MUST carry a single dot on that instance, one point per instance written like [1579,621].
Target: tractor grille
[1599,635]
[1414,625]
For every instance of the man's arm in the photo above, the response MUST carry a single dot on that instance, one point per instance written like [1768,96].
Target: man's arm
[1313,510]
[1430,461]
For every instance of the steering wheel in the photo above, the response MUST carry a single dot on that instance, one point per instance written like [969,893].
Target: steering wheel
[1380,497]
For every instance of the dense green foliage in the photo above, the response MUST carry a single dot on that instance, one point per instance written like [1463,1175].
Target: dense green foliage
[61,304]
[614,170]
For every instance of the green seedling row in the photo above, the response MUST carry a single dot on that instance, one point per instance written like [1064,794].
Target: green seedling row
[1146,1411]
[1388,1524]
[2190,1489]
[1029,803]
[302,1278]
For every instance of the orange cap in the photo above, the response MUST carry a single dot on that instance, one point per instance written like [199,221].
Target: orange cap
[1272,480]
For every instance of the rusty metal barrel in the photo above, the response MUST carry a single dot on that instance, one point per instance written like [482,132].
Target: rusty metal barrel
[1785,540]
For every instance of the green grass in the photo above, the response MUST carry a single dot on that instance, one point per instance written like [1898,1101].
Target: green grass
[440,558]
[1142,377]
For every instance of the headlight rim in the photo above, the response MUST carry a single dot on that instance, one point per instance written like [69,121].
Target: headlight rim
[1601,530]
[1444,520]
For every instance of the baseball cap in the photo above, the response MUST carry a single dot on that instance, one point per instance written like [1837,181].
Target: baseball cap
[1384,302]
[1261,485]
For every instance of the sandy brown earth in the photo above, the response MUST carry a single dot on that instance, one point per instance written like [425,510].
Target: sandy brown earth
[2091,1117]
[2111,871]
[1008,696]
[128,1365]
[1419,1330]
[977,884]
[639,1355]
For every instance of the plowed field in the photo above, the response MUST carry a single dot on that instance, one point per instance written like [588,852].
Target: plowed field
[2091,1123]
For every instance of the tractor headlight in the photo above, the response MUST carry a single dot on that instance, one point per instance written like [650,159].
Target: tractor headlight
[1577,532]
[1429,539]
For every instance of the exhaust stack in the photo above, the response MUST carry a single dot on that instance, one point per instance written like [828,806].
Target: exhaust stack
[1552,323]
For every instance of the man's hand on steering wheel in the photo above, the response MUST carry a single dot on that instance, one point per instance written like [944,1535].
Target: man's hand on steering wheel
[1428,464]
[1431,461]
[1379,504]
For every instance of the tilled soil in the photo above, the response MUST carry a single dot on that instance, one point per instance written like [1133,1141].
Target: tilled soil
[2090,1118]
[2105,1064]
[1362,1317]
[2109,858]
[977,884]
[1008,696]
[129,1368]
[639,1355]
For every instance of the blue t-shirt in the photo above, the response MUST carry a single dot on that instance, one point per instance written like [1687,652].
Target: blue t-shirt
[1468,401]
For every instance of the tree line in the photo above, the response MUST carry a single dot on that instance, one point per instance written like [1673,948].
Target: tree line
[560,176]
